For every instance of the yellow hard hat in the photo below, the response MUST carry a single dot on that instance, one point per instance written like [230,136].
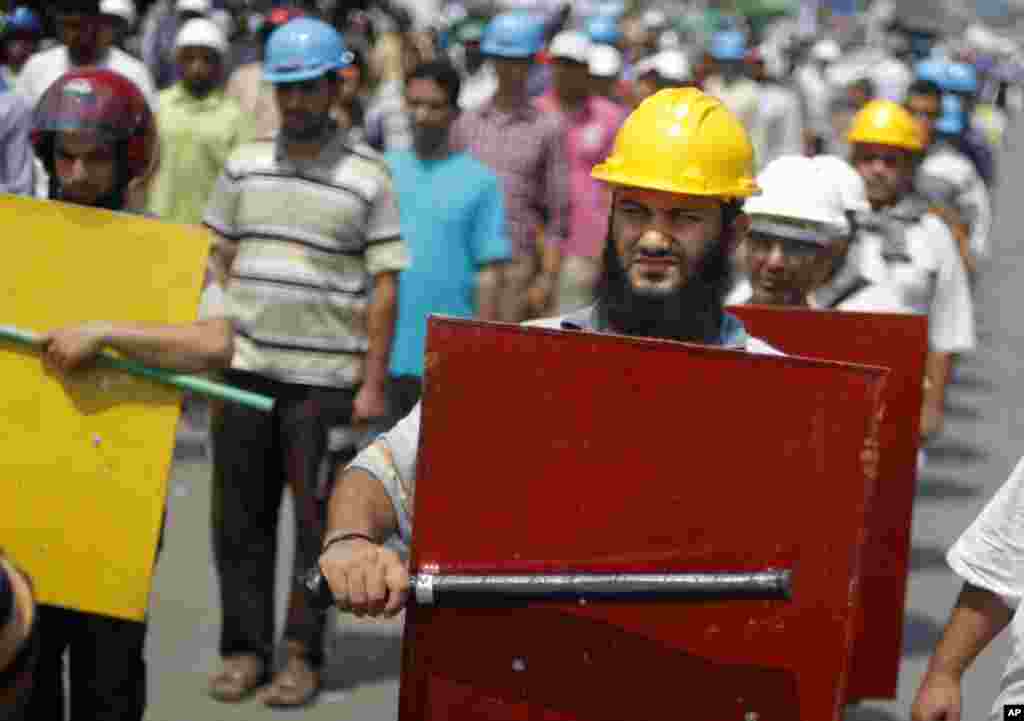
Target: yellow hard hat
[682,141]
[886,123]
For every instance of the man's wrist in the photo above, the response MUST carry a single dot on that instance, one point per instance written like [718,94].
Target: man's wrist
[345,536]
[102,330]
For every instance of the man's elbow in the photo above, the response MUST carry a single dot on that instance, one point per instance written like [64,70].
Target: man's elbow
[385,291]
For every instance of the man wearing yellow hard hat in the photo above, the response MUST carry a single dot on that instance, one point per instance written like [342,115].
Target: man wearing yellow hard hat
[902,242]
[679,172]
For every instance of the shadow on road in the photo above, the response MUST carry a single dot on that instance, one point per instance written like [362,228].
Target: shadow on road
[951,450]
[962,412]
[355,658]
[920,634]
[941,489]
[968,380]
[871,714]
[923,558]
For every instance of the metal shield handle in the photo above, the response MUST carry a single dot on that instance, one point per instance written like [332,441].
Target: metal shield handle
[463,589]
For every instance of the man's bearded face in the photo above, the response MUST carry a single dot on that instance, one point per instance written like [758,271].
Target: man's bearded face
[667,267]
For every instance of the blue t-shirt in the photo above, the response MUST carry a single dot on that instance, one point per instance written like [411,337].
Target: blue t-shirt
[453,222]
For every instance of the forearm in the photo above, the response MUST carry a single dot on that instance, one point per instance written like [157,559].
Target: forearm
[937,370]
[222,257]
[977,617]
[551,260]
[380,324]
[359,504]
[193,348]
[488,292]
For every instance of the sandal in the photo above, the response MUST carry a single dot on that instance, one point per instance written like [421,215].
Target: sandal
[295,685]
[237,678]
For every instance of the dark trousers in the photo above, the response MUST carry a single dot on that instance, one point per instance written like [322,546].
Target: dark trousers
[255,456]
[107,667]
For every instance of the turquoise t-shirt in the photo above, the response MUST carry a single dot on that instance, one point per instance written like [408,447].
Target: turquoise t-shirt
[453,222]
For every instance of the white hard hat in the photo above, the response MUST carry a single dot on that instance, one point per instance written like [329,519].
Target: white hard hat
[671,65]
[193,6]
[799,200]
[826,51]
[570,45]
[201,33]
[848,180]
[605,61]
[124,9]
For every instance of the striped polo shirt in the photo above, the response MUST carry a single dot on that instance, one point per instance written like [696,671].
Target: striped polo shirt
[310,238]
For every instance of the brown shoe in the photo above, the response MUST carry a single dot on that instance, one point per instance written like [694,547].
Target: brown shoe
[294,685]
[237,678]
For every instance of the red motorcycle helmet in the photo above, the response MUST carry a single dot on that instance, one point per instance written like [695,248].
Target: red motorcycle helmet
[101,102]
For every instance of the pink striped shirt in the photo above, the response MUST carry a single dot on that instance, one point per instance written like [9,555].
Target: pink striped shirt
[526,150]
[589,137]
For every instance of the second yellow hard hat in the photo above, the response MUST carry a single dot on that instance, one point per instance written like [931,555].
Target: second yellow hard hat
[884,122]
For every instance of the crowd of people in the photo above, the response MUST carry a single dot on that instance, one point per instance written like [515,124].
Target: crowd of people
[608,169]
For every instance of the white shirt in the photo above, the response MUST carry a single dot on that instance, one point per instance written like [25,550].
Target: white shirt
[989,555]
[966,191]
[932,283]
[43,68]
[873,298]
[781,123]
[816,95]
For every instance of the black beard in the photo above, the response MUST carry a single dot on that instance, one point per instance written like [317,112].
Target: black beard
[429,143]
[199,89]
[691,314]
[313,131]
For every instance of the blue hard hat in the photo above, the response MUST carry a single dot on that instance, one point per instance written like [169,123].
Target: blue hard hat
[932,70]
[728,45]
[513,35]
[961,78]
[604,29]
[952,120]
[303,49]
[24,20]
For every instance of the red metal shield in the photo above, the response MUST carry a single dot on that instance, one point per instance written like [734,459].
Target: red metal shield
[898,342]
[547,451]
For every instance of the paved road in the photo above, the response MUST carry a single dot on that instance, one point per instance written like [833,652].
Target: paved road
[981,444]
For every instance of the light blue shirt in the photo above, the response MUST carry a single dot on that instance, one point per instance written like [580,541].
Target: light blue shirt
[453,222]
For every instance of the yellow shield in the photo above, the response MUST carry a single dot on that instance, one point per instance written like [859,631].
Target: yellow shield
[85,457]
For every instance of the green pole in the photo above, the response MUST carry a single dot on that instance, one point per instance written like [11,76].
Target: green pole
[202,386]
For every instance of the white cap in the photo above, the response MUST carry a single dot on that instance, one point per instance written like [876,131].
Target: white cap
[570,45]
[827,50]
[654,19]
[671,65]
[193,6]
[800,200]
[124,9]
[670,40]
[604,61]
[201,33]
